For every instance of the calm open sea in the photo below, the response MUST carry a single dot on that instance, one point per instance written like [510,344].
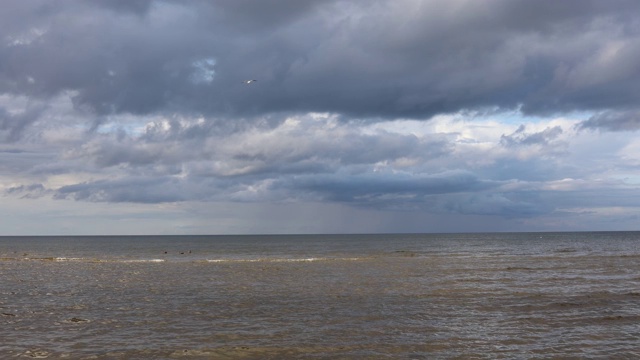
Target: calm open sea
[525,295]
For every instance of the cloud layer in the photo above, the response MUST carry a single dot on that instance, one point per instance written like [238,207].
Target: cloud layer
[510,114]
[364,59]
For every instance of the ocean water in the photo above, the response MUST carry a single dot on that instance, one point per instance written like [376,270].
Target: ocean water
[435,296]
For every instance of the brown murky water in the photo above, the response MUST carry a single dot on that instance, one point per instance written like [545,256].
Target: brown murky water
[568,295]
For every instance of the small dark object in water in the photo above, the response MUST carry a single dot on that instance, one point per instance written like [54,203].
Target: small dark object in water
[8,314]
[77,320]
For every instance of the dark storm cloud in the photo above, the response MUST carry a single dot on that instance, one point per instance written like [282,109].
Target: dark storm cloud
[369,188]
[508,205]
[521,137]
[12,126]
[139,7]
[613,121]
[138,190]
[152,189]
[257,16]
[31,191]
[364,59]
[591,198]
[459,192]
[112,153]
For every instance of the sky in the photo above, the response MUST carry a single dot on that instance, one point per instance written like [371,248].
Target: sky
[131,116]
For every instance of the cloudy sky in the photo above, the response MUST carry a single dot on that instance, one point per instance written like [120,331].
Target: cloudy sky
[131,116]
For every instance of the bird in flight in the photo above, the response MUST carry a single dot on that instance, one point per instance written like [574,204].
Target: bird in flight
[248,81]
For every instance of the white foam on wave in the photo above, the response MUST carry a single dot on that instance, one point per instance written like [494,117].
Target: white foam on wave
[91,260]
[70,259]
[156,260]
[273,260]
[143,261]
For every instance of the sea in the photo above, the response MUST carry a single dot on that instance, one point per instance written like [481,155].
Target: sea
[569,295]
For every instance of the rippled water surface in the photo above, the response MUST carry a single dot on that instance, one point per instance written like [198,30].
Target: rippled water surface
[560,295]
